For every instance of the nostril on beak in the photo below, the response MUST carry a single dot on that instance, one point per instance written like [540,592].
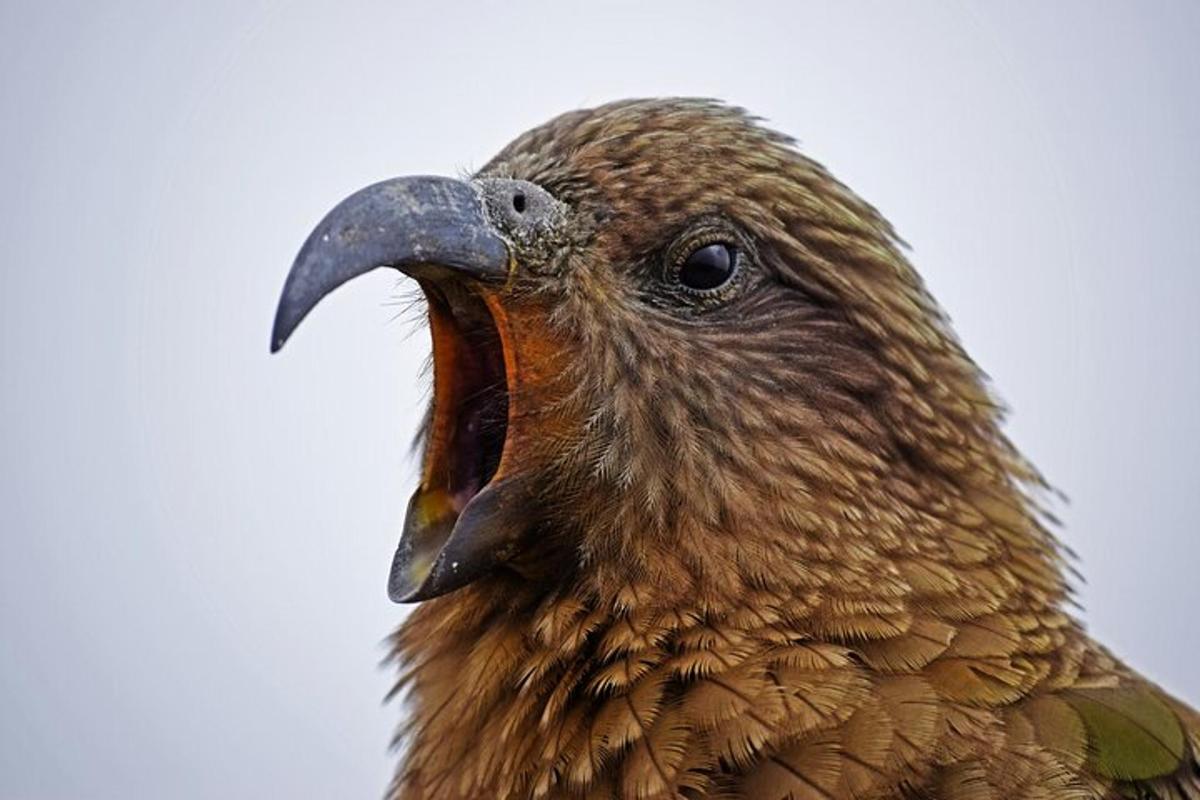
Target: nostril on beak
[520,208]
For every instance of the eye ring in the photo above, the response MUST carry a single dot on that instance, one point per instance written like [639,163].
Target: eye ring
[723,249]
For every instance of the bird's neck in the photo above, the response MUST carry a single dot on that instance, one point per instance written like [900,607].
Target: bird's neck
[511,687]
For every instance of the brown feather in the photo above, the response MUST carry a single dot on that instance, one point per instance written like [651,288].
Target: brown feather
[785,548]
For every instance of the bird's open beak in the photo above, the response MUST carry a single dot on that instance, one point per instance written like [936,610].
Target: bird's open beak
[466,517]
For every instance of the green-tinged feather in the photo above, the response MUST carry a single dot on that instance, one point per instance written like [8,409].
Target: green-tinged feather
[1132,734]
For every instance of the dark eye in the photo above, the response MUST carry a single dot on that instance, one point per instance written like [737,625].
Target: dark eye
[708,267]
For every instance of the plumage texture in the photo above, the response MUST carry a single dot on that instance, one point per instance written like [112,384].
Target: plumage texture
[786,550]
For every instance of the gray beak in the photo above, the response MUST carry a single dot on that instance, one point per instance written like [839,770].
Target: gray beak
[402,223]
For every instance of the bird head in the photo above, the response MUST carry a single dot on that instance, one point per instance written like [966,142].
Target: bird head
[667,344]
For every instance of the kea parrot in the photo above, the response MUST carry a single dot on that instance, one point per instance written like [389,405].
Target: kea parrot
[713,504]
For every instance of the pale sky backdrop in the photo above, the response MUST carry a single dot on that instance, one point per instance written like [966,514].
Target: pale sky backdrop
[196,535]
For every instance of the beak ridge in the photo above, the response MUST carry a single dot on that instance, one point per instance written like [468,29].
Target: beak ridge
[401,223]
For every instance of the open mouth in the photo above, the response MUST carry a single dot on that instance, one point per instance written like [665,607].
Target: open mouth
[466,437]
[470,515]
[469,425]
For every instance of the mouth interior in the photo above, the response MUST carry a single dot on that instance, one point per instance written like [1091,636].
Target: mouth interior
[470,400]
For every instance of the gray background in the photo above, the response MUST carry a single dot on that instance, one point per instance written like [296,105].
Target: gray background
[196,535]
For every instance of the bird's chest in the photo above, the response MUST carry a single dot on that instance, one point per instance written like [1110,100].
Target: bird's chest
[616,707]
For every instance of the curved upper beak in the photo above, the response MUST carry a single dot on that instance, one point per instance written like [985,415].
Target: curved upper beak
[403,223]
[435,229]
